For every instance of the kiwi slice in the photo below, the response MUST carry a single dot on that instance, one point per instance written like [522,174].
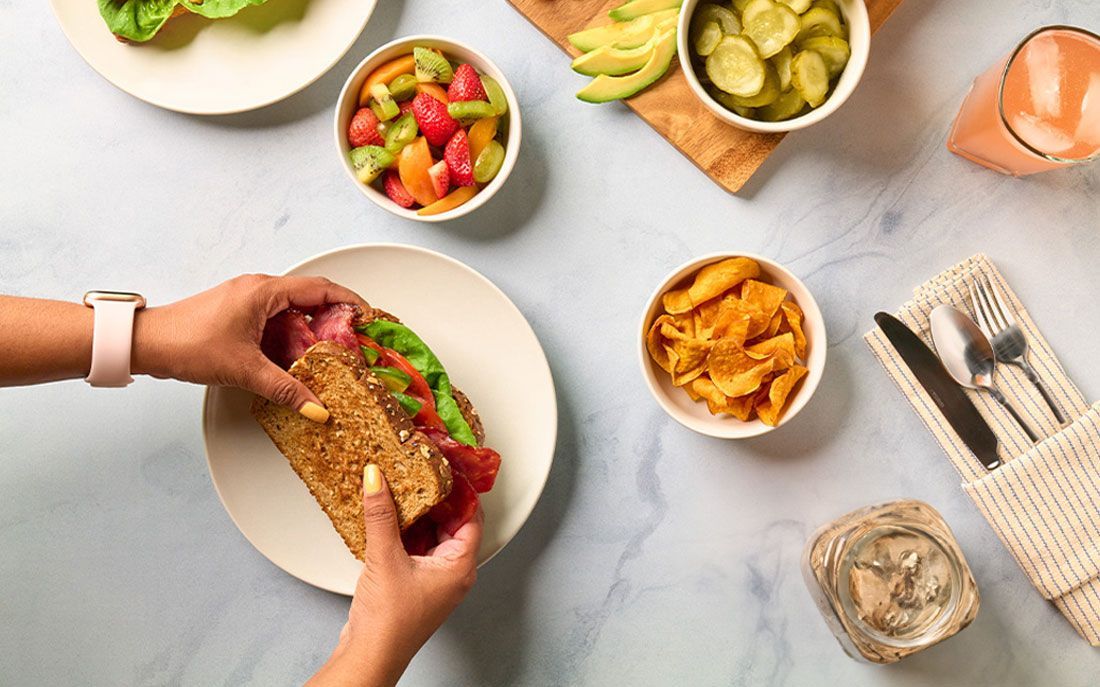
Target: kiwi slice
[383,104]
[370,161]
[489,162]
[431,66]
[496,95]
[402,133]
[467,110]
[403,87]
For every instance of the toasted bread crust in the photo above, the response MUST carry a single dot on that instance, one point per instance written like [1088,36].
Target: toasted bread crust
[366,424]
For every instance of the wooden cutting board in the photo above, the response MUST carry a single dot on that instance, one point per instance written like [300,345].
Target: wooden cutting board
[727,155]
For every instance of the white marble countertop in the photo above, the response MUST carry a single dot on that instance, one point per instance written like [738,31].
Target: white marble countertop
[656,556]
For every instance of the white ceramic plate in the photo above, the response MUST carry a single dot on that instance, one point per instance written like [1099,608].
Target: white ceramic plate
[490,352]
[200,66]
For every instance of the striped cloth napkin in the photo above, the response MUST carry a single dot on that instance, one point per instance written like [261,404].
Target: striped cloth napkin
[1044,502]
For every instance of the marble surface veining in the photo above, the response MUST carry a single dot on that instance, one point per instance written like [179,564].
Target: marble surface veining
[656,556]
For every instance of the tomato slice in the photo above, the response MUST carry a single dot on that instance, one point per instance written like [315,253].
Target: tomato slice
[418,386]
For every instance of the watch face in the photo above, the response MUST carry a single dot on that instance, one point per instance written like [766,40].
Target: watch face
[121,296]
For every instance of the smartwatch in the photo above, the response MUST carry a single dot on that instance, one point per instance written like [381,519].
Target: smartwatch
[112,336]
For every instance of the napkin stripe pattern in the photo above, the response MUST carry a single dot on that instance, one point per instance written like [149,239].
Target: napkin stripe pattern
[1044,501]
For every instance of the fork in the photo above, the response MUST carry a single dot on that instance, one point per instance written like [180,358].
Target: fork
[1009,343]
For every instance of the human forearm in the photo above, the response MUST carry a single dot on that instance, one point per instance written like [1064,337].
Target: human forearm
[364,664]
[43,340]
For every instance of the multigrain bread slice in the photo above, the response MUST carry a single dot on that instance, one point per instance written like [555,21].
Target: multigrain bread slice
[366,424]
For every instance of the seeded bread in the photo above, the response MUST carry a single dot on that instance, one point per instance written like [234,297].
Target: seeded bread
[366,424]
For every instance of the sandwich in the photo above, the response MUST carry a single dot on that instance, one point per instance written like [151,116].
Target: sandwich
[390,403]
[136,21]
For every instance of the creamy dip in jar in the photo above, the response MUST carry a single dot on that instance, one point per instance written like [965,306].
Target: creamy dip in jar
[890,580]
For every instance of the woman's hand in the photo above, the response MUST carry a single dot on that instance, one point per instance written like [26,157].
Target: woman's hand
[214,337]
[400,600]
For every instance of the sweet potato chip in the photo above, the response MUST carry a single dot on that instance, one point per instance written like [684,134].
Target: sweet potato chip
[780,347]
[714,280]
[773,326]
[764,297]
[655,344]
[718,403]
[780,389]
[690,359]
[731,341]
[676,302]
[792,321]
[733,371]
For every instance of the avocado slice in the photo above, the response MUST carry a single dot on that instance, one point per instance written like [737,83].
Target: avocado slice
[629,34]
[605,88]
[392,378]
[614,61]
[637,8]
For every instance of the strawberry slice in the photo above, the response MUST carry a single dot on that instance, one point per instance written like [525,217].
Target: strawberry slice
[466,85]
[441,178]
[457,156]
[432,118]
[396,190]
[363,130]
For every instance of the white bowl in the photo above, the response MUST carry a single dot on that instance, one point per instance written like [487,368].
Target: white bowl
[348,104]
[694,414]
[859,39]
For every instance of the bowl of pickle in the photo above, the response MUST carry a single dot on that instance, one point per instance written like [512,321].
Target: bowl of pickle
[773,65]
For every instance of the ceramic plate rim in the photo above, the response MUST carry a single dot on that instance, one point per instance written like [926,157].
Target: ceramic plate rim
[543,476]
[371,5]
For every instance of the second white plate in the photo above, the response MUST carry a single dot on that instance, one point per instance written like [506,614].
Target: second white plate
[491,353]
[200,66]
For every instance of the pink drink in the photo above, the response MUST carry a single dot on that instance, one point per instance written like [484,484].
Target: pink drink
[1037,109]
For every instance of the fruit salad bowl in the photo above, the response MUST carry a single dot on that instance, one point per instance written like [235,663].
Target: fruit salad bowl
[844,47]
[405,146]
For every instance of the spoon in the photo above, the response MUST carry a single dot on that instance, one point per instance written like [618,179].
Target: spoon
[968,356]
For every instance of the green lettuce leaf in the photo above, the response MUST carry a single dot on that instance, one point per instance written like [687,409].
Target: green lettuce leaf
[140,20]
[136,20]
[402,339]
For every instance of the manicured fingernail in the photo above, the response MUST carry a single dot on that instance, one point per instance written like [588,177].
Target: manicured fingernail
[372,479]
[314,412]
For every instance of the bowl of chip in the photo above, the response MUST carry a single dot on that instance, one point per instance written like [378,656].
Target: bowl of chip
[732,345]
[772,66]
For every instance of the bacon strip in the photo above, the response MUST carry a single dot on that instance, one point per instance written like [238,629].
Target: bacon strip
[286,337]
[479,464]
[334,322]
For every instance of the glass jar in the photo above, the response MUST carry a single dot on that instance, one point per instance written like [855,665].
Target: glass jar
[890,580]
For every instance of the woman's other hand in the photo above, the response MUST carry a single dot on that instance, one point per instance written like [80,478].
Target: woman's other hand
[400,600]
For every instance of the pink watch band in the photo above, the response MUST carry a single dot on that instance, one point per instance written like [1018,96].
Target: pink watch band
[112,336]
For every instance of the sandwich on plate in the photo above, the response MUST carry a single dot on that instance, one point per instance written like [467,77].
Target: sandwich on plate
[137,21]
[390,403]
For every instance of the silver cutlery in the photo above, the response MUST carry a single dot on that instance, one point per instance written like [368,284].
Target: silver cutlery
[968,356]
[957,409]
[1009,343]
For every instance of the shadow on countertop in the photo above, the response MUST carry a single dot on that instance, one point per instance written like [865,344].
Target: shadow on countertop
[491,627]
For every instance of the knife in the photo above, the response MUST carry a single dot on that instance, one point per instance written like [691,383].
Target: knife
[942,389]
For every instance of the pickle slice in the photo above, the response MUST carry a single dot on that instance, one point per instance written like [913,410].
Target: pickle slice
[810,77]
[833,50]
[767,95]
[827,5]
[706,40]
[726,19]
[735,67]
[753,8]
[787,105]
[773,29]
[819,21]
[798,6]
[782,63]
[739,5]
